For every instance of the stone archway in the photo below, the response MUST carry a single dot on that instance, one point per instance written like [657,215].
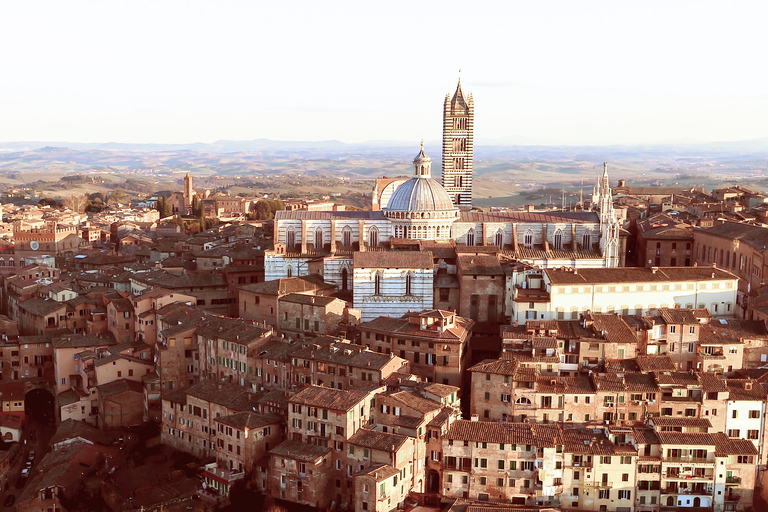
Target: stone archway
[40,404]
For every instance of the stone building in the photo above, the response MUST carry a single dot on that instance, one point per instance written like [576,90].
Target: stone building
[309,315]
[739,248]
[510,462]
[260,301]
[663,241]
[243,438]
[434,342]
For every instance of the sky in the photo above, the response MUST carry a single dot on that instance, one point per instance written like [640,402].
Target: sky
[549,72]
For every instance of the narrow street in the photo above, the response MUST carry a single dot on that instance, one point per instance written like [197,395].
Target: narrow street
[35,436]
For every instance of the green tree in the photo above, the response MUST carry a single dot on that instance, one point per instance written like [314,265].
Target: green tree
[164,207]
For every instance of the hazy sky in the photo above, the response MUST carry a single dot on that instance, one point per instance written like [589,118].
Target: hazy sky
[577,72]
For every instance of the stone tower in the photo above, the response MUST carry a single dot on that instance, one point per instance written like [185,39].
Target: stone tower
[458,147]
[188,192]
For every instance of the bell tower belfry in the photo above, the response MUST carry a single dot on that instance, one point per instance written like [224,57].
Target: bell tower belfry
[458,147]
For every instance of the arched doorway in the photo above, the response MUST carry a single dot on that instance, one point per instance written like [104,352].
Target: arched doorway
[40,405]
[697,502]
[433,481]
[671,501]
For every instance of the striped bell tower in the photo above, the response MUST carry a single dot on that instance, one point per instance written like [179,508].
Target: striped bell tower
[458,147]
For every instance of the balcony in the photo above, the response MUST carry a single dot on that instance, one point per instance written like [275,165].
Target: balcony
[701,490]
[690,459]
[733,480]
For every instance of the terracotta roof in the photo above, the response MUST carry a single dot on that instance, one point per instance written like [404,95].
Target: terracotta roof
[300,451]
[755,236]
[418,403]
[498,367]
[286,285]
[379,472]
[403,327]
[635,275]
[393,259]
[725,446]
[85,340]
[678,316]
[621,365]
[329,398]
[645,435]
[731,331]
[687,438]
[41,307]
[505,433]
[746,390]
[655,363]
[519,216]
[229,395]
[441,390]
[482,265]
[119,386]
[640,383]
[670,421]
[612,327]
[73,429]
[584,440]
[376,440]
[329,349]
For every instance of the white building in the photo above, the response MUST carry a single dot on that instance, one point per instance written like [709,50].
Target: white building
[392,283]
[745,417]
[568,293]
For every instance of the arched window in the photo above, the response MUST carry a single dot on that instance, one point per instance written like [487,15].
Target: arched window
[346,236]
[523,401]
[289,271]
[586,240]
[377,284]
[373,237]
[344,279]
[499,239]
[408,283]
[290,238]
[558,245]
[528,239]
[318,238]
[471,237]
[727,259]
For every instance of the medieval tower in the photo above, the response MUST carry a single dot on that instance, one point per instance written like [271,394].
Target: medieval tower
[458,148]
[189,192]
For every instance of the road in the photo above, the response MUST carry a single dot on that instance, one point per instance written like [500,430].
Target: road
[40,445]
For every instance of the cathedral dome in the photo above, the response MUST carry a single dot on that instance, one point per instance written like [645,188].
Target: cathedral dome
[421,193]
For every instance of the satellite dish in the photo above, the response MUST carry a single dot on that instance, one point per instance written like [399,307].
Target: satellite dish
[34,245]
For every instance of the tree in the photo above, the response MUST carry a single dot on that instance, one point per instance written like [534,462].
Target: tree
[164,207]
[76,203]
[48,201]
[117,197]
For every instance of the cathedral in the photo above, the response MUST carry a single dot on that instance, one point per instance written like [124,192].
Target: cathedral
[421,208]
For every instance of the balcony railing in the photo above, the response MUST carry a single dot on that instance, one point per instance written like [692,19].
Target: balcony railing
[733,480]
[688,458]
